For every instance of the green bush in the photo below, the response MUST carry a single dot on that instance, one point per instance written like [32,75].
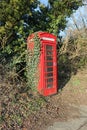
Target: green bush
[32,62]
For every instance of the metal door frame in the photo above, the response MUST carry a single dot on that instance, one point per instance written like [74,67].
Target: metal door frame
[53,89]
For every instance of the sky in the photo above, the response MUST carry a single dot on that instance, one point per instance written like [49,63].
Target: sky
[44,2]
[79,17]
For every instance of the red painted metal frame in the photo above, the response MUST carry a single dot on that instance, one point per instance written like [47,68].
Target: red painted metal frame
[46,39]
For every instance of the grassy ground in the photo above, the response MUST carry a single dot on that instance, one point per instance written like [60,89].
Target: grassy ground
[23,110]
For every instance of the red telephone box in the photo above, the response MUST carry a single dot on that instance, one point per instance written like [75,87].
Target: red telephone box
[48,81]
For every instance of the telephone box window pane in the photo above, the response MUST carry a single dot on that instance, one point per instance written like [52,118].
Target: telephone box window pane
[49,85]
[49,53]
[49,58]
[49,66]
[48,47]
[49,69]
[49,63]
[49,80]
[49,74]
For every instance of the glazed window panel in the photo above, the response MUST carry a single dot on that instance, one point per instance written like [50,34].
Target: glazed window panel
[49,74]
[49,63]
[49,69]
[50,80]
[49,58]
[50,85]
[49,53]
[49,47]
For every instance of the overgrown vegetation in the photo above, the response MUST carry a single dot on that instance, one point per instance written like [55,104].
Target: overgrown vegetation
[18,19]
[75,46]
[72,55]
[32,62]
[17,102]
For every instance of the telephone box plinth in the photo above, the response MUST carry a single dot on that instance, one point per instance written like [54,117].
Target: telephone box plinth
[48,80]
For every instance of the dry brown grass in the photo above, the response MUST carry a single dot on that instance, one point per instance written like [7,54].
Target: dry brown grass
[17,102]
[75,44]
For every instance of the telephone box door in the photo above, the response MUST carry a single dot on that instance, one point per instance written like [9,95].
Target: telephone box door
[50,69]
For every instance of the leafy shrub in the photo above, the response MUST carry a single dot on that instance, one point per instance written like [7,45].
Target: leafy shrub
[17,102]
[75,46]
[32,62]
[72,56]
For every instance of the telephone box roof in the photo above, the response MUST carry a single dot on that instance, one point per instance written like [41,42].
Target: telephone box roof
[43,36]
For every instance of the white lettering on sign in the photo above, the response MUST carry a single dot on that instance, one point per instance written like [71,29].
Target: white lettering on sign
[49,39]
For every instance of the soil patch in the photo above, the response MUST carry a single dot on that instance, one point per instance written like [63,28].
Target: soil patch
[61,107]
